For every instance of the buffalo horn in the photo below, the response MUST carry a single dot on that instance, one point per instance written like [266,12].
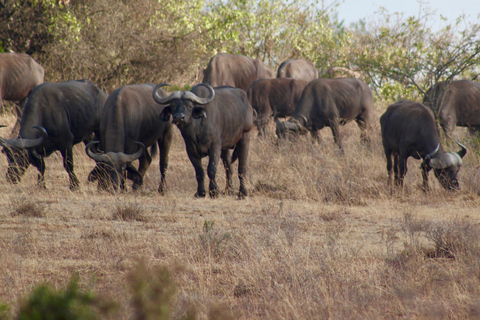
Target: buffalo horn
[98,157]
[20,143]
[133,156]
[430,155]
[280,125]
[114,157]
[446,160]
[158,98]
[304,119]
[196,99]
[462,152]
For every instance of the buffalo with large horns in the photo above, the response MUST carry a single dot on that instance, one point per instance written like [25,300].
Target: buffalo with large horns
[130,123]
[455,104]
[274,98]
[409,130]
[19,74]
[56,117]
[212,121]
[235,70]
[330,103]
[298,69]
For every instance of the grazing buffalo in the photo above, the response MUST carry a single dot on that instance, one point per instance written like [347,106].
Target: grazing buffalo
[330,103]
[457,103]
[130,123]
[19,74]
[298,69]
[56,117]
[235,70]
[409,129]
[212,121]
[274,97]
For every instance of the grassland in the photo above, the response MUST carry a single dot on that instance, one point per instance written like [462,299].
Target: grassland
[320,236]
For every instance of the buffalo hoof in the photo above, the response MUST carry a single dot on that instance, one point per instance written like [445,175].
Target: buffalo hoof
[214,193]
[136,186]
[74,187]
[199,195]
[229,192]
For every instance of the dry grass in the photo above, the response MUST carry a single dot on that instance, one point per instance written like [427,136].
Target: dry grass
[320,236]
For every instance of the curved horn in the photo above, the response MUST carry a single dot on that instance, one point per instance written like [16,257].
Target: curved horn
[20,143]
[462,152]
[159,99]
[98,157]
[133,156]
[196,99]
[304,119]
[280,125]
[431,154]
[446,160]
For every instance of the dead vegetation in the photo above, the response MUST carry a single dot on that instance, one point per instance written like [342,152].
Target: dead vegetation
[320,236]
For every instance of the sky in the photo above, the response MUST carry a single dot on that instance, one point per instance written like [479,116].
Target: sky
[353,10]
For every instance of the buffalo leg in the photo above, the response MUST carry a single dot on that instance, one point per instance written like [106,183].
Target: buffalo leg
[388,155]
[335,127]
[39,163]
[67,155]
[19,111]
[227,163]
[402,167]
[212,171]
[243,146]
[135,175]
[425,170]
[395,170]
[364,127]
[164,147]
[199,175]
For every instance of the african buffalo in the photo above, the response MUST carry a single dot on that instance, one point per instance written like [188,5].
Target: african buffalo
[457,103]
[330,103]
[235,70]
[298,69]
[274,97]
[409,129]
[19,74]
[130,120]
[212,121]
[56,117]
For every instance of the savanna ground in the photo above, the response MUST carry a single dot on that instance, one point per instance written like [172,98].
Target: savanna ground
[320,236]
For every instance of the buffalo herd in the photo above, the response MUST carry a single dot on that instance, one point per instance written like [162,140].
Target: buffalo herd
[216,116]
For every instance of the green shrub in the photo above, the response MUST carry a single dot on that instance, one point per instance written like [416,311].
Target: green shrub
[69,303]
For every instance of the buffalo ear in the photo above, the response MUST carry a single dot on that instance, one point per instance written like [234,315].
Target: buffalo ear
[199,112]
[165,114]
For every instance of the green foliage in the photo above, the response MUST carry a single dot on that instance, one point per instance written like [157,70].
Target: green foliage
[123,42]
[4,311]
[404,57]
[70,303]
[153,292]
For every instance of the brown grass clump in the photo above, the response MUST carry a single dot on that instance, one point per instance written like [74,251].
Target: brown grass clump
[27,208]
[129,211]
[319,236]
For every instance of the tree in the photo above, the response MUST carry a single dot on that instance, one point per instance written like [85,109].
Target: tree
[405,57]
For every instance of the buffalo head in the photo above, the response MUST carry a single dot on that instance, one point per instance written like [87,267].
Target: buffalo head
[446,167]
[183,105]
[293,125]
[18,155]
[115,163]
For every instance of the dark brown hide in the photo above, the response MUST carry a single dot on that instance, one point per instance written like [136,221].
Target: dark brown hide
[298,69]
[409,130]
[235,70]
